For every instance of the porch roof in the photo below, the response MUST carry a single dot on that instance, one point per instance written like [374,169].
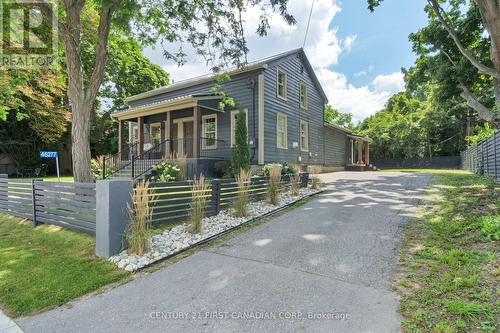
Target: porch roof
[349,133]
[168,105]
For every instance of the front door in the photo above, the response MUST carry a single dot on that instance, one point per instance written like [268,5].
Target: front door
[182,134]
[188,138]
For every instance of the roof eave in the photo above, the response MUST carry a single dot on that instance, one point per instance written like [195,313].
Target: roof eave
[190,83]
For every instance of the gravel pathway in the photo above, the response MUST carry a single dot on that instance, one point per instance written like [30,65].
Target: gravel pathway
[323,267]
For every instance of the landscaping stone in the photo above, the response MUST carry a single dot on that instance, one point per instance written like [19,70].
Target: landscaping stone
[179,238]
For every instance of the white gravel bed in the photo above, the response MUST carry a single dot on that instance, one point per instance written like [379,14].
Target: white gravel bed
[178,238]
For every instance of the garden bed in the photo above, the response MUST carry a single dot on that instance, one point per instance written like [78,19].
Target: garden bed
[178,239]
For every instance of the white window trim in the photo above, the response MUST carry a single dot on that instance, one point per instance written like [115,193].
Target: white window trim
[303,107]
[233,124]
[278,70]
[306,137]
[278,115]
[204,140]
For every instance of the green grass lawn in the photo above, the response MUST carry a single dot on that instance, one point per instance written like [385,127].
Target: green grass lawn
[63,179]
[449,269]
[47,266]
[436,171]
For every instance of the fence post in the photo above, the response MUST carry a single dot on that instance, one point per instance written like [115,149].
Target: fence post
[112,217]
[216,184]
[103,167]
[304,179]
[33,200]
[132,161]
[6,194]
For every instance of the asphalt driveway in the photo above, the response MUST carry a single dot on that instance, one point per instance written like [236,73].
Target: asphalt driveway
[324,267]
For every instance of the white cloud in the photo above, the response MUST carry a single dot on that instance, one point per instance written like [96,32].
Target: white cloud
[323,48]
[360,101]
[390,83]
[349,42]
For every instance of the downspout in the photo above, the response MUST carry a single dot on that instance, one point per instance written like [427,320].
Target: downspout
[251,84]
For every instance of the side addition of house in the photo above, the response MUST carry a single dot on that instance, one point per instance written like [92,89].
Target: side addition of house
[283,104]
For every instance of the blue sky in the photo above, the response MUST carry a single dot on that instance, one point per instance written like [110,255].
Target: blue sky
[357,55]
[382,37]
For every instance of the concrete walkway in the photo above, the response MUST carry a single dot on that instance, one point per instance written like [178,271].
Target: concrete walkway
[324,267]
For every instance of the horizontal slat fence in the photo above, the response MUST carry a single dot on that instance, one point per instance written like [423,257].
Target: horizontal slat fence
[172,200]
[484,157]
[16,197]
[68,205]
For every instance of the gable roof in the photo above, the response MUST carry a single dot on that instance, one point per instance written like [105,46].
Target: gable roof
[259,64]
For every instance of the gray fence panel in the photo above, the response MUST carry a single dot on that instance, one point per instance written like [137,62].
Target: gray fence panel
[484,157]
[173,200]
[69,205]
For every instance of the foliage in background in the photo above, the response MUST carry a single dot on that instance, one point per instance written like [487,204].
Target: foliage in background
[482,133]
[223,169]
[286,168]
[199,199]
[141,211]
[96,166]
[241,149]
[274,183]
[241,203]
[165,172]
[416,124]
[334,116]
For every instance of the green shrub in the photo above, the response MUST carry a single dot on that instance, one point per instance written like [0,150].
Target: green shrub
[490,226]
[223,169]
[286,169]
[96,167]
[166,172]
[241,150]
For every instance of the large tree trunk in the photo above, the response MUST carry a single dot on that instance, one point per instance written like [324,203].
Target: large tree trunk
[81,98]
[80,138]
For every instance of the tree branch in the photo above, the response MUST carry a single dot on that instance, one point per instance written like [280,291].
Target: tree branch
[483,111]
[100,51]
[481,67]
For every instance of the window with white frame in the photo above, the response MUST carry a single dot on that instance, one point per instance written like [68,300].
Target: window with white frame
[304,136]
[234,115]
[281,131]
[209,131]
[303,95]
[281,84]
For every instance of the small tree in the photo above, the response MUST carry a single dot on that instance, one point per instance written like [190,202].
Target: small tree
[241,150]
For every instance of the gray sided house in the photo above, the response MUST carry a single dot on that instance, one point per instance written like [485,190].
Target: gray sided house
[284,106]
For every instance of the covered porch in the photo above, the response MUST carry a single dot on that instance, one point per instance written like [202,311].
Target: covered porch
[359,153]
[184,125]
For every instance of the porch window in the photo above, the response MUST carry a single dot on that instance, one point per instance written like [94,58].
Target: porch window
[234,115]
[281,84]
[304,136]
[209,131]
[303,95]
[281,131]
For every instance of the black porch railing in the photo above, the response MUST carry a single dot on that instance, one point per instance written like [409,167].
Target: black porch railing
[112,163]
[130,164]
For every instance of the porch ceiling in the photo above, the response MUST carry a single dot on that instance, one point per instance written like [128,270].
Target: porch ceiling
[173,104]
